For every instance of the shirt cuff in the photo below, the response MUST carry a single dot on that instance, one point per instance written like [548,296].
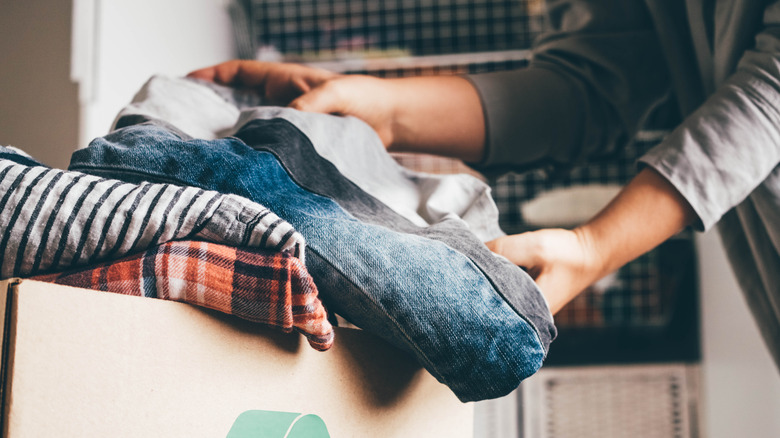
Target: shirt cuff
[678,169]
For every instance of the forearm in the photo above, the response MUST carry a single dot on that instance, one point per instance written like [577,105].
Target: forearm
[440,115]
[645,213]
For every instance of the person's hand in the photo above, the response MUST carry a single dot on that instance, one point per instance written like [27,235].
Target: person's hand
[310,89]
[439,115]
[562,262]
[279,83]
[370,99]
[645,213]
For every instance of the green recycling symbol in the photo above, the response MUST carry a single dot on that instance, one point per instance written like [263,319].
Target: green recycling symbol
[270,424]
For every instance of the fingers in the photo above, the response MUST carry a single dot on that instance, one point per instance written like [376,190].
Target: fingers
[281,90]
[206,74]
[241,73]
[558,260]
[306,87]
[280,83]
[312,89]
[523,250]
[220,73]
[301,85]
[323,99]
[236,73]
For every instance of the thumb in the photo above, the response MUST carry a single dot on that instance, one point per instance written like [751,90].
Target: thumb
[520,249]
[226,73]
[206,74]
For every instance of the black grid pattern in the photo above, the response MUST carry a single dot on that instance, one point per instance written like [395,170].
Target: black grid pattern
[512,189]
[320,29]
[451,37]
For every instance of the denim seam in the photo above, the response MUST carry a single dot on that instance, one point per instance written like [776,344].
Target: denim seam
[501,295]
[399,326]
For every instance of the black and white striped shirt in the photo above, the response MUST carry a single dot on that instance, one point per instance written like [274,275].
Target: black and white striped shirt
[52,219]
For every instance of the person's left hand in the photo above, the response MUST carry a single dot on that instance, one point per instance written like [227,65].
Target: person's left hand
[644,214]
[375,101]
[562,262]
[279,83]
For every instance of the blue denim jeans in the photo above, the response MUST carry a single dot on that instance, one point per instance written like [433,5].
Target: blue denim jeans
[449,309]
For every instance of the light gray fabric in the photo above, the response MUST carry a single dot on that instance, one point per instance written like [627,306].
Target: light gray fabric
[608,63]
[187,105]
[751,236]
[212,111]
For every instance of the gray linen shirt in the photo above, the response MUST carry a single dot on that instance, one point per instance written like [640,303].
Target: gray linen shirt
[608,63]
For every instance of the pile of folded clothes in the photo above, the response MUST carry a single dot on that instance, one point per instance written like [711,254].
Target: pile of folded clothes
[278,214]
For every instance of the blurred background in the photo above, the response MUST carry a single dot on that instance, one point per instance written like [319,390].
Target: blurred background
[664,348]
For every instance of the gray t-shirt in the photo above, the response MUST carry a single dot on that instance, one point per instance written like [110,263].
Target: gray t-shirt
[607,64]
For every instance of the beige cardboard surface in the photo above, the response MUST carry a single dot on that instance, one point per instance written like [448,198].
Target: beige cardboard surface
[86,363]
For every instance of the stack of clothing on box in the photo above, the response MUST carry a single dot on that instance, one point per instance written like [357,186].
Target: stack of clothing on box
[201,195]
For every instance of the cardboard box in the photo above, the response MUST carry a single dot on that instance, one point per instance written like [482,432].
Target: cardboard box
[81,363]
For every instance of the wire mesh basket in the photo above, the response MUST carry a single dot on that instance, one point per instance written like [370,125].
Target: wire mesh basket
[657,401]
[313,30]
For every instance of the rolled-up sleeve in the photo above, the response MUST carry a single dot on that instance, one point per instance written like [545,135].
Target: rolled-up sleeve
[726,148]
[591,81]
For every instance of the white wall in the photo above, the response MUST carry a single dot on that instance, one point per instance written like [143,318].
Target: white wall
[135,39]
[116,46]
[741,384]
[38,102]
